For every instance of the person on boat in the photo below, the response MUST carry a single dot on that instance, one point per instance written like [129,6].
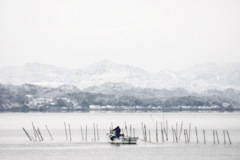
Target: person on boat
[117,132]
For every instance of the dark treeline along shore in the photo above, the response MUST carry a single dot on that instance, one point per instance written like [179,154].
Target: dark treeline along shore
[29,97]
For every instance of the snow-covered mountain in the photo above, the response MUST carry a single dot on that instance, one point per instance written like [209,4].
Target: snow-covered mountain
[196,78]
[212,75]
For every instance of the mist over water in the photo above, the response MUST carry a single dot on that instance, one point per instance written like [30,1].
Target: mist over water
[16,145]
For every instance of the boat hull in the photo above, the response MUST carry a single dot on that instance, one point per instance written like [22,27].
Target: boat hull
[127,140]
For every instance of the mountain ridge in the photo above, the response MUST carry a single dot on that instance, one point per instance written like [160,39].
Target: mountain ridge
[197,78]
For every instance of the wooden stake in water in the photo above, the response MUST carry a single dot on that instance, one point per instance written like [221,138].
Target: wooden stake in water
[217,136]
[149,135]
[34,131]
[165,134]
[204,137]
[173,135]
[133,132]
[196,134]
[143,131]
[156,131]
[189,132]
[33,139]
[97,133]
[230,142]
[39,132]
[176,132]
[162,133]
[27,134]
[224,136]
[65,131]
[86,134]
[185,136]
[213,137]
[180,130]
[82,133]
[126,129]
[49,132]
[130,130]
[70,134]
[166,131]
[94,133]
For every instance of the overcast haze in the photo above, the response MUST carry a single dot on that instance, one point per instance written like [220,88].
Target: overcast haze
[151,34]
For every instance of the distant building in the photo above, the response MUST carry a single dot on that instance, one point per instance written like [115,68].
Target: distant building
[94,106]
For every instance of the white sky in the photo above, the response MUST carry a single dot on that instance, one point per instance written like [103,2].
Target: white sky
[151,34]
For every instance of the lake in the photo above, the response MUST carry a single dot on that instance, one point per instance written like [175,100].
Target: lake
[14,144]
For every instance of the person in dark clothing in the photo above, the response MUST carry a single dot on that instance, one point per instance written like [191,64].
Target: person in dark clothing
[117,132]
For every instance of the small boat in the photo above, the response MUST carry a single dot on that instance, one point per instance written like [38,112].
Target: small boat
[122,139]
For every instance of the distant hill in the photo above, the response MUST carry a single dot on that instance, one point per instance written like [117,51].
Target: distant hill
[195,79]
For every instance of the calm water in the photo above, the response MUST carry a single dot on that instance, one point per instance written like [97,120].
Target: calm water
[14,144]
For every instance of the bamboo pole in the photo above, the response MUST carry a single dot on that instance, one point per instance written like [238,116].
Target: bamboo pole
[189,132]
[39,132]
[149,135]
[173,135]
[204,137]
[176,136]
[196,134]
[65,131]
[176,132]
[180,130]
[94,133]
[217,136]
[97,133]
[156,131]
[230,142]
[34,131]
[70,134]
[126,129]
[163,135]
[82,133]
[133,132]
[86,134]
[213,137]
[164,131]
[130,130]
[224,136]
[27,134]
[49,132]
[33,139]
[143,131]
[185,136]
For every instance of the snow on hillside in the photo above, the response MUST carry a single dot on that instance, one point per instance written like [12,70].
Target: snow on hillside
[196,78]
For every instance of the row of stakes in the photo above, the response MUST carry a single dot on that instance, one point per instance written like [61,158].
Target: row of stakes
[176,134]
[38,135]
